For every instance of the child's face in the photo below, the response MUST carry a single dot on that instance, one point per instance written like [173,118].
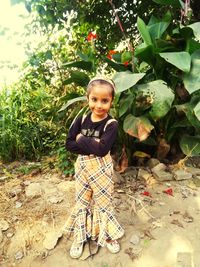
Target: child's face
[100,100]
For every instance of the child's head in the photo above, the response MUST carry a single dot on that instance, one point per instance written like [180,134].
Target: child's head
[100,94]
[101,81]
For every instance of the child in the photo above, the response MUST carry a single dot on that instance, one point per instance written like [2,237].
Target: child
[92,137]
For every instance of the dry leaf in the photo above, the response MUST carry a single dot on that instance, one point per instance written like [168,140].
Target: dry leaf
[148,234]
[177,223]
[123,164]
[132,255]
[187,217]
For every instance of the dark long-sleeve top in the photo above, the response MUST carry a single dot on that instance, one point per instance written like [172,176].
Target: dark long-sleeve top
[91,131]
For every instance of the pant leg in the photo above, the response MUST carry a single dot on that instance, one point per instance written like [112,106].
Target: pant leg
[104,224]
[79,222]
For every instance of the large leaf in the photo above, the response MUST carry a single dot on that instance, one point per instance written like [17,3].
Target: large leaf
[139,127]
[125,103]
[115,66]
[181,60]
[191,110]
[156,30]
[161,97]
[79,78]
[175,3]
[190,145]
[84,65]
[192,79]
[145,53]
[72,101]
[197,110]
[144,31]
[196,29]
[126,79]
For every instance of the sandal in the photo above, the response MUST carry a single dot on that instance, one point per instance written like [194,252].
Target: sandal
[113,246]
[76,250]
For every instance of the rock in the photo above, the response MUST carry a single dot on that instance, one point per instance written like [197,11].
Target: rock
[3,178]
[193,171]
[51,239]
[55,199]
[9,235]
[18,204]
[162,176]
[1,236]
[117,178]
[4,225]
[151,163]
[144,174]
[19,255]
[135,239]
[27,182]
[15,191]
[182,175]
[159,167]
[34,190]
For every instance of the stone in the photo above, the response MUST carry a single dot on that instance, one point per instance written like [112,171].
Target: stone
[19,255]
[4,225]
[117,178]
[15,191]
[144,174]
[151,163]
[9,235]
[159,167]
[51,239]
[34,190]
[162,176]
[18,204]
[194,171]
[135,239]
[182,175]
[3,178]
[55,199]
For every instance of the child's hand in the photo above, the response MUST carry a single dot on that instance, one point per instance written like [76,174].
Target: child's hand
[78,136]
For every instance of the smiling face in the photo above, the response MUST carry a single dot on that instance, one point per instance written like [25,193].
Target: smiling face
[100,99]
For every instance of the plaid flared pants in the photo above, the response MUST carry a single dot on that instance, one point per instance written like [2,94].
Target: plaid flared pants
[93,215]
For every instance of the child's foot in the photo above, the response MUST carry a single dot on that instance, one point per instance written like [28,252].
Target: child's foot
[113,246]
[76,250]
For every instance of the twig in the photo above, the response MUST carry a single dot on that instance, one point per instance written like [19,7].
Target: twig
[143,207]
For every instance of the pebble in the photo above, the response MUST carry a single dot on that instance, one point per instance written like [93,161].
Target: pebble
[135,239]
[19,255]
[18,204]
[51,239]
[4,225]
[9,235]
[34,190]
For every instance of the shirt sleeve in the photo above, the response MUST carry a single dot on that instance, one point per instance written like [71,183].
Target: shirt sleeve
[90,146]
[71,143]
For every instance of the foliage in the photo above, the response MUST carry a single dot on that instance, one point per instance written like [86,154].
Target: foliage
[155,70]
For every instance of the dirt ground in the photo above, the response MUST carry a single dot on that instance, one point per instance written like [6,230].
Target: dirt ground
[161,222]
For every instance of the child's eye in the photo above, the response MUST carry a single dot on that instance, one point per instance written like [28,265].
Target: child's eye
[104,101]
[94,99]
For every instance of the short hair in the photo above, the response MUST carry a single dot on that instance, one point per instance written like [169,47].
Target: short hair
[101,81]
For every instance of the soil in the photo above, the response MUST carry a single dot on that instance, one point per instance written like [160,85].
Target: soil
[161,221]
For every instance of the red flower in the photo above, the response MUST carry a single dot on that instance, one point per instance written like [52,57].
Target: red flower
[168,191]
[126,63]
[91,36]
[110,53]
[146,193]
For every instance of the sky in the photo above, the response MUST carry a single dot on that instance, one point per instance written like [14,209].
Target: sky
[10,47]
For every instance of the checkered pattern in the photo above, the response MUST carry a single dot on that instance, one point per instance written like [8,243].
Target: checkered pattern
[93,215]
